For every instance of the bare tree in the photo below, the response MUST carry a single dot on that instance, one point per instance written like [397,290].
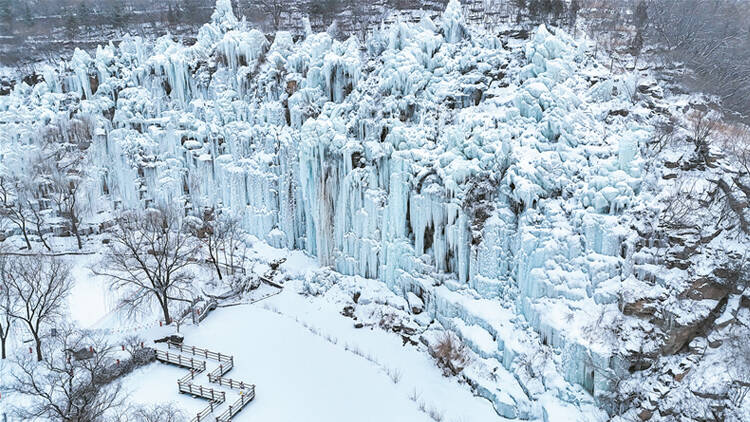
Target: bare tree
[72,384]
[67,197]
[5,319]
[156,413]
[14,207]
[702,126]
[9,302]
[361,13]
[148,255]
[275,9]
[739,370]
[219,234]
[39,220]
[60,167]
[39,285]
[736,142]
[710,39]
[573,10]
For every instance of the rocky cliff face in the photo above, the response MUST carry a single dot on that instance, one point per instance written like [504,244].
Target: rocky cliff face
[512,185]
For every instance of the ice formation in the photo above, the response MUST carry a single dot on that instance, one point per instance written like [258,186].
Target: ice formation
[471,176]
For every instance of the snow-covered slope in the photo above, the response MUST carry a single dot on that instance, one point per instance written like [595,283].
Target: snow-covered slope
[490,178]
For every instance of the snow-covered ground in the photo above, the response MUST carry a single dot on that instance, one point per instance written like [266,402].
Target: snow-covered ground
[300,375]
[307,360]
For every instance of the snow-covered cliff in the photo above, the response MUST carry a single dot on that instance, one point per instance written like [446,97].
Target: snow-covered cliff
[485,175]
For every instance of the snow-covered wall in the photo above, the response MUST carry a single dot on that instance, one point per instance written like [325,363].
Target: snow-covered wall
[474,171]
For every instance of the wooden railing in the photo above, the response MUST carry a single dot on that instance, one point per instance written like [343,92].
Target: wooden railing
[234,408]
[197,351]
[179,360]
[203,414]
[201,391]
[220,371]
[189,376]
[228,382]
[197,366]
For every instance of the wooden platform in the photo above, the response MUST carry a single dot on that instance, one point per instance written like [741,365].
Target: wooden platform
[189,357]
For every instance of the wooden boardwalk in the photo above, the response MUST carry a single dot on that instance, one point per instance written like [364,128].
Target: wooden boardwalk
[194,359]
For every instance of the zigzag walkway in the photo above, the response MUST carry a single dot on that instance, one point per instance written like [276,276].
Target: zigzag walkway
[193,362]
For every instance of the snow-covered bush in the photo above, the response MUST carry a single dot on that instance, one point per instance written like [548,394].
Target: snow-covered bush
[318,282]
[243,282]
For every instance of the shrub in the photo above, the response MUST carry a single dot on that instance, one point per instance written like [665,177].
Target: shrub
[451,354]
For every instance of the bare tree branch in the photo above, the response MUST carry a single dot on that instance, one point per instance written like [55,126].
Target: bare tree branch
[148,256]
[39,286]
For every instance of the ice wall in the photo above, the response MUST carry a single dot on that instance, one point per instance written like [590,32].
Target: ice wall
[429,157]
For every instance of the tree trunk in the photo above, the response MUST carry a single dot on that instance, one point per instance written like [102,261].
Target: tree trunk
[216,265]
[2,348]
[41,236]
[44,242]
[38,348]
[26,236]
[74,226]
[165,310]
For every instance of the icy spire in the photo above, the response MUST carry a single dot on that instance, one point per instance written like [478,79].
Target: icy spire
[454,27]
[307,27]
[223,16]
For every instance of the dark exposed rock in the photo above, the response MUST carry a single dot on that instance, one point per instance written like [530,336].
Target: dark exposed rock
[704,288]
[621,112]
[348,311]
[174,338]
[645,414]
[81,354]
[643,308]
[680,335]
